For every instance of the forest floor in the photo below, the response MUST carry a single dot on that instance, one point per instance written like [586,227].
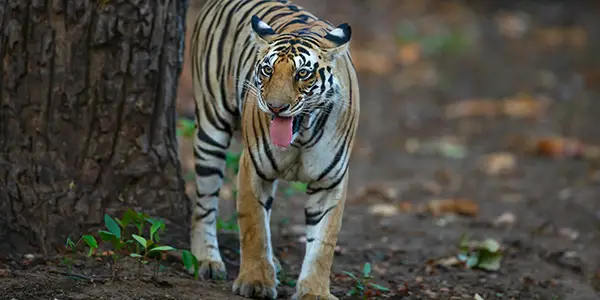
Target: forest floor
[476,123]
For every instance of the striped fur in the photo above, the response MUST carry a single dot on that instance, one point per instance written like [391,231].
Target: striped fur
[248,57]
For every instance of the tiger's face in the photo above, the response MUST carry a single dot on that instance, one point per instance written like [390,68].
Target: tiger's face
[289,80]
[295,75]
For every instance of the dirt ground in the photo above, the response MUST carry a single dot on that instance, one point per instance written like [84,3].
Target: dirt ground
[530,70]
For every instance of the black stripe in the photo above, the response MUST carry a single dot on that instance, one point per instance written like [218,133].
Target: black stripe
[268,204]
[220,45]
[302,50]
[207,213]
[213,116]
[286,25]
[312,191]
[322,75]
[313,219]
[252,157]
[280,15]
[319,127]
[339,154]
[202,136]
[205,171]
[200,195]
[214,153]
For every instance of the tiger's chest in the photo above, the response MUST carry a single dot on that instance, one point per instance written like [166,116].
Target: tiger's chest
[298,164]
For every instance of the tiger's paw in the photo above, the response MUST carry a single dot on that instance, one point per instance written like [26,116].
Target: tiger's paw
[211,269]
[327,296]
[315,290]
[257,281]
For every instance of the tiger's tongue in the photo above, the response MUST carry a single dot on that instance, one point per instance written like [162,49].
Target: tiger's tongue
[281,131]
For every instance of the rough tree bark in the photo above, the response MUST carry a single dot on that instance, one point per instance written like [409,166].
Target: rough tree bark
[87,119]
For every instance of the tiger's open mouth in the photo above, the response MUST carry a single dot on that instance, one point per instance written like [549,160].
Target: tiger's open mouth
[282,129]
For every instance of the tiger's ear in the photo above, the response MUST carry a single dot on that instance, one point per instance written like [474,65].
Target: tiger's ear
[337,40]
[262,30]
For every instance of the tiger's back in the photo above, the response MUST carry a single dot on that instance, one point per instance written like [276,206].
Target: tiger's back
[286,79]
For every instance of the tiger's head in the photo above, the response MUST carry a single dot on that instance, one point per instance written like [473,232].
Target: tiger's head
[295,73]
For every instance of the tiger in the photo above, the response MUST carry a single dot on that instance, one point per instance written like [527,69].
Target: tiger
[283,81]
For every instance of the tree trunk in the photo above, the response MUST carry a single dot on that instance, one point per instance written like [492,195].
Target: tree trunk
[87,119]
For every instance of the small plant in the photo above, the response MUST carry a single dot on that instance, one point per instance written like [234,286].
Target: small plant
[228,225]
[295,187]
[126,238]
[185,127]
[150,248]
[232,161]
[72,246]
[486,254]
[363,285]
[190,262]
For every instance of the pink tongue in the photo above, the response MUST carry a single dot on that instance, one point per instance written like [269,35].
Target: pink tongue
[281,131]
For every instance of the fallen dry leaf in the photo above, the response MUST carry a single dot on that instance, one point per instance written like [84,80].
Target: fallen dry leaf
[523,106]
[405,206]
[383,209]
[445,261]
[557,147]
[472,108]
[457,206]
[375,191]
[562,36]
[552,146]
[498,163]
[506,218]
[409,53]
[512,25]
[568,233]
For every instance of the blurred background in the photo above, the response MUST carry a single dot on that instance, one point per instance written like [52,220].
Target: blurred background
[479,122]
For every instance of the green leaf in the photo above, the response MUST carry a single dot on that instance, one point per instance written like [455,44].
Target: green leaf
[489,261]
[162,248]
[155,227]
[135,255]
[299,186]
[91,242]
[367,270]
[119,222]
[379,287]
[185,127]
[70,243]
[107,236]
[232,161]
[190,262]
[128,216]
[490,245]
[351,275]
[112,226]
[472,260]
[140,240]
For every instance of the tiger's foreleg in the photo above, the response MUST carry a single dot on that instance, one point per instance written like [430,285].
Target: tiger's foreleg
[257,277]
[210,146]
[324,212]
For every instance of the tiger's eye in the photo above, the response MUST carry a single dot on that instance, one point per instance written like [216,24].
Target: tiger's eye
[302,74]
[267,70]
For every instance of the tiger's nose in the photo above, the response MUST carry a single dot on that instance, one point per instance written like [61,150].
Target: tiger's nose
[276,107]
